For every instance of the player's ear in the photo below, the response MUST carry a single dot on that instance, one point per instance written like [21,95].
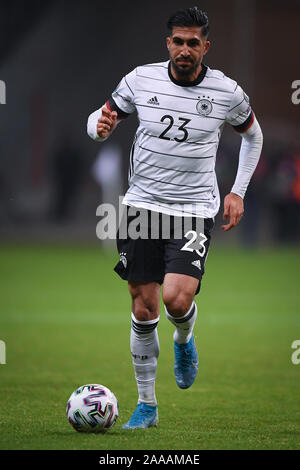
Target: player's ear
[207,46]
[168,41]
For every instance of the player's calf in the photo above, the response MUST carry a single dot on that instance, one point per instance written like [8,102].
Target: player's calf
[185,352]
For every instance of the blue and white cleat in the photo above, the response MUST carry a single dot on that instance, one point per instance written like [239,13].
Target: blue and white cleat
[145,416]
[186,363]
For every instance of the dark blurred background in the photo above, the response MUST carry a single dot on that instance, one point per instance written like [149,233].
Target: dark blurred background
[61,59]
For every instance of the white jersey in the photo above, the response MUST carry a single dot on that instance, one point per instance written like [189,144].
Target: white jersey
[173,156]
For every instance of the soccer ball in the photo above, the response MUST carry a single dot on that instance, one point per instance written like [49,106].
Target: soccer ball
[92,408]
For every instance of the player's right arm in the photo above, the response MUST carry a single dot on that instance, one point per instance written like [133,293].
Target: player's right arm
[106,123]
[102,122]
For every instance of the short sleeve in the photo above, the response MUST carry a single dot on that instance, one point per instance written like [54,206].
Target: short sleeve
[122,99]
[240,114]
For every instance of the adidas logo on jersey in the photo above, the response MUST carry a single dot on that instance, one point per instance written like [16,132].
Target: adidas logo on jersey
[153,100]
[197,264]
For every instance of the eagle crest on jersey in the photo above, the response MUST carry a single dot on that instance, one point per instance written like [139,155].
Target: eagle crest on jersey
[204,107]
[173,156]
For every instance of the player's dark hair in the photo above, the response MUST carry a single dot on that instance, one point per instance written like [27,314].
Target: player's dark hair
[190,17]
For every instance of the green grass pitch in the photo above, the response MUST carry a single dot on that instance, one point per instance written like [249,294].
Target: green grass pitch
[65,319]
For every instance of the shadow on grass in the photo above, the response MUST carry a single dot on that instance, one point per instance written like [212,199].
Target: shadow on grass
[80,434]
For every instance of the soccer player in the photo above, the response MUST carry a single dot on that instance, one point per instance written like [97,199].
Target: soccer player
[182,107]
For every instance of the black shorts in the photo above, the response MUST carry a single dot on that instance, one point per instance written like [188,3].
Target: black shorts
[151,256]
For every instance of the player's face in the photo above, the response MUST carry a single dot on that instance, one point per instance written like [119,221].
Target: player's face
[187,47]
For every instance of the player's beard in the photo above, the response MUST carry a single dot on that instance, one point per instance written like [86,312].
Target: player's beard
[183,72]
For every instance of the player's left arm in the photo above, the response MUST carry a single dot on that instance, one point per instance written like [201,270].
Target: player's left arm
[251,146]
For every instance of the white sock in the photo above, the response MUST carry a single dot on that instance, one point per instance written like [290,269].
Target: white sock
[184,325]
[144,347]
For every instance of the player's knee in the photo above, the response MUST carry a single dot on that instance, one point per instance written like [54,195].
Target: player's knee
[144,312]
[144,307]
[177,304]
[145,302]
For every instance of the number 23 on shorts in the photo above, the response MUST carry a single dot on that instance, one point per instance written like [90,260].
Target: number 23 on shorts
[193,244]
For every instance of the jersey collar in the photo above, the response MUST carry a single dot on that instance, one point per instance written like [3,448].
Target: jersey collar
[184,82]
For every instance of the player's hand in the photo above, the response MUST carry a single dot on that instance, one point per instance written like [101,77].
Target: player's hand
[234,209]
[107,123]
